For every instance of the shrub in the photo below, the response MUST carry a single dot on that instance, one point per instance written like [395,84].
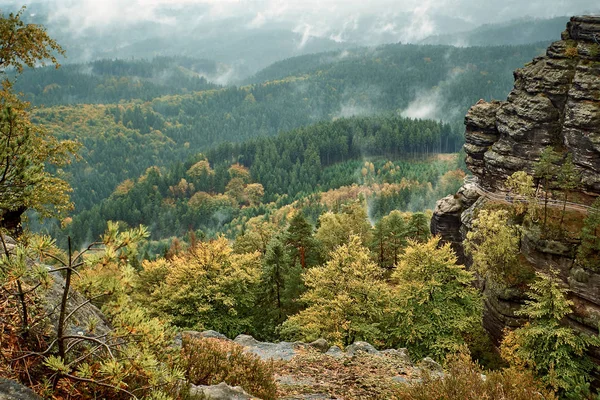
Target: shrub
[571,52]
[209,361]
[464,381]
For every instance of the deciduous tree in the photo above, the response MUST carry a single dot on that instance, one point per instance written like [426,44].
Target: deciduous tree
[435,305]
[26,149]
[346,299]
[494,246]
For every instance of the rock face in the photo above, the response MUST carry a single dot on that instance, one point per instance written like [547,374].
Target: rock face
[555,101]
[11,390]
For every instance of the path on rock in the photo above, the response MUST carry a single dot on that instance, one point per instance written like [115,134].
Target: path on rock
[506,198]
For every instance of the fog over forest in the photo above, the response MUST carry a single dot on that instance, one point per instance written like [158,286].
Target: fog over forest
[249,35]
[300,199]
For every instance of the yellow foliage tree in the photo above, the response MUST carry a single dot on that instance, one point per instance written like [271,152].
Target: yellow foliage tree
[435,305]
[207,287]
[254,193]
[494,245]
[346,299]
[26,149]
[201,168]
[336,229]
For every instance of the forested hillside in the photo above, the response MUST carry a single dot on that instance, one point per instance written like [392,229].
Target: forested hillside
[209,191]
[110,81]
[121,140]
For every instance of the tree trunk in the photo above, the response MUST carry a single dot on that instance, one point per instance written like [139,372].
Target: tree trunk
[11,221]
[60,329]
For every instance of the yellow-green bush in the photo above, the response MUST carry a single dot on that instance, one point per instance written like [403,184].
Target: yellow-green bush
[464,381]
[209,361]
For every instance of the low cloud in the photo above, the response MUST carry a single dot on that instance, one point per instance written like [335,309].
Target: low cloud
[426,105]
[432,103]
[340,20]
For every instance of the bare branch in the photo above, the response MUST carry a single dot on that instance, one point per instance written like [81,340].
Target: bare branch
[88,301]
[76,378]
[92,339]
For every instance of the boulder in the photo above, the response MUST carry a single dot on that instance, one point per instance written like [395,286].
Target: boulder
[320,344]
[397,354]
[361,347]
[222,391]
[11,390]
[335,352]
[270,351]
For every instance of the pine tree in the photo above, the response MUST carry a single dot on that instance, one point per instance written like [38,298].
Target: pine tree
[588,253]
[418,227]
[568,180]
[389,238]
[299,238]
[279,289]
[130,355]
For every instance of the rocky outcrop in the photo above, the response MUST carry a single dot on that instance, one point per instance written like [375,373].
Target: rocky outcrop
[11,390]
[555,102]
[317,370]
[447,219]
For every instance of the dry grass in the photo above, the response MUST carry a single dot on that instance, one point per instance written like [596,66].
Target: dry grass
[464,382]
[362,376]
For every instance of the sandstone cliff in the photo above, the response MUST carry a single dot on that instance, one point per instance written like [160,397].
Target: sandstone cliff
[555,101]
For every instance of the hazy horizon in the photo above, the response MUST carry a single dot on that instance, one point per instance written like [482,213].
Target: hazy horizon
[377,21]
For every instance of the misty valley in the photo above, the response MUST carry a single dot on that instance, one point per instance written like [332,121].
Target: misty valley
[218,200]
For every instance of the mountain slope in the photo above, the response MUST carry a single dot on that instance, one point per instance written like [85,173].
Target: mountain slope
[414,81]
[515,32]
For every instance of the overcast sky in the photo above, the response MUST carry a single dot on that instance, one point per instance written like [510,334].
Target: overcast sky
[319,17]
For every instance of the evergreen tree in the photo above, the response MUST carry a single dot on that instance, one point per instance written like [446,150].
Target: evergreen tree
[389,238]
[418,227]
[568,180]
[588,253]
[280,287]
[300,238]
[554,351]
